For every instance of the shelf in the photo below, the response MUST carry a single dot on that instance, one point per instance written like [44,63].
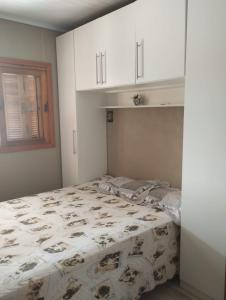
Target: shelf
[142,106]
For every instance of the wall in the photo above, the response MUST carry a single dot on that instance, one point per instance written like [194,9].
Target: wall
[146,143]
[25,173]
[203,245]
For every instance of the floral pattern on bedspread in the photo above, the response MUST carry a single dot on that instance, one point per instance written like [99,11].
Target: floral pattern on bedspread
[75,243]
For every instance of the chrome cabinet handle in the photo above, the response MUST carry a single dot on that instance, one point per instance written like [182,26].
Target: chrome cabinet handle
[140,47]
[98,67]
[104,67]
[137,62]
[101,67]
[74,141]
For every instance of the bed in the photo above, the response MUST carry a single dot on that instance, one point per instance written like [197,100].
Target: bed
[76,243]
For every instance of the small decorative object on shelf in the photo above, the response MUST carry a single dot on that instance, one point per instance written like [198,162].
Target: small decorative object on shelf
[138,100]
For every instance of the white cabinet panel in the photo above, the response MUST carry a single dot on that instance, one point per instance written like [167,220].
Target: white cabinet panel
[105,52]
[160,39]
[204,160]
[66,85]
[119,32]
[87,44]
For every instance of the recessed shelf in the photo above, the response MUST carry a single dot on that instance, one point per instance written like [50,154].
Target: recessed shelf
[142,106]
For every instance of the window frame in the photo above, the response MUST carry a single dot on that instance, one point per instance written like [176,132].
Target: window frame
[20,66]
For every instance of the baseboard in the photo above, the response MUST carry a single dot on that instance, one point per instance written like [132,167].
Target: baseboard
[193,292]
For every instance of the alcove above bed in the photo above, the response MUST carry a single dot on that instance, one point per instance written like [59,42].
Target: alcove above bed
[147,142]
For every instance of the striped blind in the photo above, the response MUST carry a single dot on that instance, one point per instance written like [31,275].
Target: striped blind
[21,106]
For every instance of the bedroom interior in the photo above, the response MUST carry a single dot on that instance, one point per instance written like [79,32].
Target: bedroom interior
[112,150]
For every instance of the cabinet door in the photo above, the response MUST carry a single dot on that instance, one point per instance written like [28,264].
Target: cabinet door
[66,85]
[202,260]
[87,44]
[118,57]
[160,39]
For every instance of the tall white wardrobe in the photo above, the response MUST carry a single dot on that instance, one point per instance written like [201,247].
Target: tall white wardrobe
[144,44]
[203,244]
[82,123]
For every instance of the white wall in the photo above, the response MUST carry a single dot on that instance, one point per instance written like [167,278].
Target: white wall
[203,245]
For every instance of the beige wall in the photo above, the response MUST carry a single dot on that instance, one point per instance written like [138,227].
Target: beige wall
[146,144]
[36,171]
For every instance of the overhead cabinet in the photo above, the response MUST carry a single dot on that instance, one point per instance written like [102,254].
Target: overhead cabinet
[160,39]
[140,43]
[104,51]
[118,63]
[88,47]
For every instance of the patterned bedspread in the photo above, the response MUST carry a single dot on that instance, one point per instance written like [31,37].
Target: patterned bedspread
[77,244]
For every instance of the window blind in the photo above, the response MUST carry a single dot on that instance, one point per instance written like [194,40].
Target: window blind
[21,105]
[26,106]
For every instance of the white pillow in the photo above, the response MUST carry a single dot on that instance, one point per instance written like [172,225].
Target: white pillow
[171,205]
[155,195]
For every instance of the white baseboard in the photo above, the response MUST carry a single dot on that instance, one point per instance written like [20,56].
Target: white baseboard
[193,292]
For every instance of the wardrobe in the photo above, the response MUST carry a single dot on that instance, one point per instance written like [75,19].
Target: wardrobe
[151,44]
[203,249]
[123,49]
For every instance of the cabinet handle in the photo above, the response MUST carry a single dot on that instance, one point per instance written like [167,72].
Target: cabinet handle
[104,67]
[74,141]
[140,64]
[98,67]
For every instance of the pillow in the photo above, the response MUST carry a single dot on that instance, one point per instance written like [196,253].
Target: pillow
[129,189]
[156,195]
[171,205]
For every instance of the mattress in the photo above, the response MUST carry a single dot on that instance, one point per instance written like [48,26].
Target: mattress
[75,243]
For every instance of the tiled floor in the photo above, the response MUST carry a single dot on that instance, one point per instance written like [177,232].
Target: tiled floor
[168,291]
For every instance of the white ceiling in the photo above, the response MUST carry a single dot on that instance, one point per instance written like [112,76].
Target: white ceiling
[59,15]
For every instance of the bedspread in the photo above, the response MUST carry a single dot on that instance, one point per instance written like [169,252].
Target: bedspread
[75,243]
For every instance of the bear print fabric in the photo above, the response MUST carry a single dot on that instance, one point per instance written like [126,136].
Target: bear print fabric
[129,189]
[78,244]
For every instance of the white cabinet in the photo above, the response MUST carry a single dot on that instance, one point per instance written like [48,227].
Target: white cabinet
[140,43]
[104,51]
[119,50]
[88,44]
[82,123]
[66,85]
[160,39]
[204,159]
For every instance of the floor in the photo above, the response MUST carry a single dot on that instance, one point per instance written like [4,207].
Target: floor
[168,291]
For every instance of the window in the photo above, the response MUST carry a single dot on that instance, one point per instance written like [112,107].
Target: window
[26,112]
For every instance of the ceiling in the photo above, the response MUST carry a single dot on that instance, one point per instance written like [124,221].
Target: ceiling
[60,15]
